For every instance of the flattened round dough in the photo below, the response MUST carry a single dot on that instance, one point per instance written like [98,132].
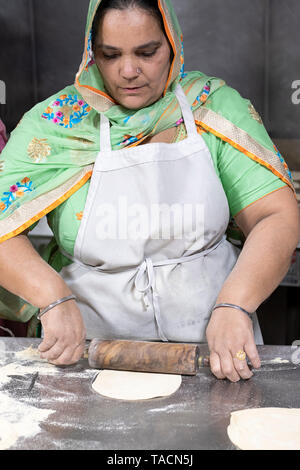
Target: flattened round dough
[125,385]
[265,429]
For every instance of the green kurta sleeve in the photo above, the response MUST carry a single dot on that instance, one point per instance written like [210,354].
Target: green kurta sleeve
[236,159]
[244,180]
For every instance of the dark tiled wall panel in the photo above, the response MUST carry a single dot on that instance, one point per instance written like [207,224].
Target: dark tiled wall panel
[284,60]
[226,39]
[254,45]
[60,27]
[16,59]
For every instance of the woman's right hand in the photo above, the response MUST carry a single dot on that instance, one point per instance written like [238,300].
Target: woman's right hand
[64,334]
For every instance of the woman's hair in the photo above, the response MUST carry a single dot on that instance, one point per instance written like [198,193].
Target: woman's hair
[151,6]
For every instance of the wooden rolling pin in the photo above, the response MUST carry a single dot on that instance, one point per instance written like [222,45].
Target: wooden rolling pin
[143,356]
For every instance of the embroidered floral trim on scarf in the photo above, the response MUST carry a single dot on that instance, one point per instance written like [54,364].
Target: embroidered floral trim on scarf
[38,150]
[202,98]
[67,111]
[15,191]
[254,113]
[182,72]
[91,60]
[283,162]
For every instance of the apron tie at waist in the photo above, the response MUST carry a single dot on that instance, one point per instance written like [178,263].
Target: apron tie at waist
[150,289]
[145,267]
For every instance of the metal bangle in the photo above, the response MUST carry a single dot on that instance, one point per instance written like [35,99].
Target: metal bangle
[234,306]
[54,304]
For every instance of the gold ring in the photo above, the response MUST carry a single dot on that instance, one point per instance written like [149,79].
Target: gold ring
[241,355]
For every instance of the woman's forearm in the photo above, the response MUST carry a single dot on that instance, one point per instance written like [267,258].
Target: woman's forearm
[262,264]
[24,273]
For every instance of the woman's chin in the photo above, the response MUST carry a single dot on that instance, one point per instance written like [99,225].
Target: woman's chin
[132,102]
[135,102]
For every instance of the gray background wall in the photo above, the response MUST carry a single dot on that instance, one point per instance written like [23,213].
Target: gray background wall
[254,45]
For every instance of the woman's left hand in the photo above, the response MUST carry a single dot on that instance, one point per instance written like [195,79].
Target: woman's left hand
[228,332]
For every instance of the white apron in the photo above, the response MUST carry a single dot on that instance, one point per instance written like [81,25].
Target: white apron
[151,256]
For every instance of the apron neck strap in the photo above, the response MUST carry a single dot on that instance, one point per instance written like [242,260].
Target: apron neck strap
[105,143]
[187,112]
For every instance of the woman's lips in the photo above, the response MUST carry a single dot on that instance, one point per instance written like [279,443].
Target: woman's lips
[132,90]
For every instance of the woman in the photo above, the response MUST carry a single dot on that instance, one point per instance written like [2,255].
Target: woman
[136,276]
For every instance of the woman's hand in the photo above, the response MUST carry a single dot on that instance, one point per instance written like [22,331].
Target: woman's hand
[64,334]
[228,332]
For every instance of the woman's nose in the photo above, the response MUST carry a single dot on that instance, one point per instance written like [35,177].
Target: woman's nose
[129,69]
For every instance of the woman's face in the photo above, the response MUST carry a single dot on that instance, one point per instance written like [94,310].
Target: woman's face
[129,40]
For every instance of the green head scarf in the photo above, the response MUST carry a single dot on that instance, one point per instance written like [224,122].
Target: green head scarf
[50,154]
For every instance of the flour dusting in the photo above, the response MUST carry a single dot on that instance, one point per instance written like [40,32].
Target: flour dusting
[18,420]
[28,362]
[30,353]
[25,404]
[278,360]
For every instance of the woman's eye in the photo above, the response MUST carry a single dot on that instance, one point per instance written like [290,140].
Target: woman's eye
[114,56]
[109,57]
[148,54]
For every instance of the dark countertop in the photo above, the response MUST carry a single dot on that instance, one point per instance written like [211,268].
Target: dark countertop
[48,407]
